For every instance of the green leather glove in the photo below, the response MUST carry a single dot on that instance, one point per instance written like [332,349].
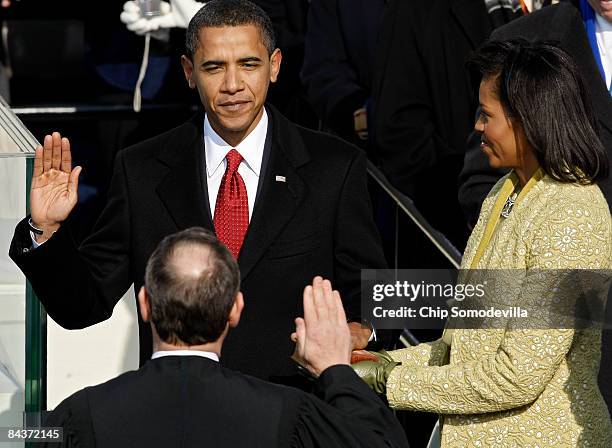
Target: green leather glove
[375,373]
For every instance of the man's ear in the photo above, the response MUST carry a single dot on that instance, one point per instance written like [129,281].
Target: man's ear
[144,304]
[236,311]
[275,64]
[188,71]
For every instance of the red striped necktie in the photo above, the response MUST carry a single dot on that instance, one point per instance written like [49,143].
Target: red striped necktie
[232,207]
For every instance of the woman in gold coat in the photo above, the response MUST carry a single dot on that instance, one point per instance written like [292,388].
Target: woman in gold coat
[522,387]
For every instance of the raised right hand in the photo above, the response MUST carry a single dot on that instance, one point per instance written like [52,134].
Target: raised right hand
[53,194]
[322,336]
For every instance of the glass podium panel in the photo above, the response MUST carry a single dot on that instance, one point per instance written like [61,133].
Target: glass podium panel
[21,318]
[15,139]
[38,368]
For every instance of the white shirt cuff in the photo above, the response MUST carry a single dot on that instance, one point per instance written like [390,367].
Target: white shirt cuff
[373,335]
[35,243]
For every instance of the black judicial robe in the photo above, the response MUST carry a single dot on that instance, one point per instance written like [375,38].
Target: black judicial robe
[189,401]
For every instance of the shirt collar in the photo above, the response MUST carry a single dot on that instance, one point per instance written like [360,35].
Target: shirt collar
[251,148]
[603,26]
[203,354]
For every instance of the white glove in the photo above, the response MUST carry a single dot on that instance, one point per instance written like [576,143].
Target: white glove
[138,24]
[177,13]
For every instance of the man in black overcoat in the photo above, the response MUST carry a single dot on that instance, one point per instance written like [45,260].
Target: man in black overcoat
[309,212]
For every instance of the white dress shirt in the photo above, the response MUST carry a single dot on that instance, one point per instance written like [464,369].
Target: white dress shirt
[203,354]
[603,32]
[251,149]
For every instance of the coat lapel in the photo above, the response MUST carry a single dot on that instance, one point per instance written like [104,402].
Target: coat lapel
[281,194]
[606,118]
[600,96]
[569,30]
[182,189]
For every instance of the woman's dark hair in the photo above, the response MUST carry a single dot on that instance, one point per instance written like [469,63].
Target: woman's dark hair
[219,13]
[540,87]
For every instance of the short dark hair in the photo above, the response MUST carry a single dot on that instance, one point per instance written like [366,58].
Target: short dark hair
[540,87]
[188,309]
[219,13]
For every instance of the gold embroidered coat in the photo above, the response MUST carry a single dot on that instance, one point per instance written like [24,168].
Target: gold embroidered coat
[519,388]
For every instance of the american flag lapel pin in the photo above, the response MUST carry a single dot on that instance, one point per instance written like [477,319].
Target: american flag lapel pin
[281,179]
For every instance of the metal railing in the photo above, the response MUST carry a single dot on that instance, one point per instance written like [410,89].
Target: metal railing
[406,204]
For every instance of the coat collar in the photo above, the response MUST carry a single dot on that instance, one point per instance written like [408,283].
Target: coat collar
[509,186]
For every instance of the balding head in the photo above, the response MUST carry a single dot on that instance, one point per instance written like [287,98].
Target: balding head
[192,281]
[190,261]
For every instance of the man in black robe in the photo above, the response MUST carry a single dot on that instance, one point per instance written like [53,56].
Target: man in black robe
[184,397]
